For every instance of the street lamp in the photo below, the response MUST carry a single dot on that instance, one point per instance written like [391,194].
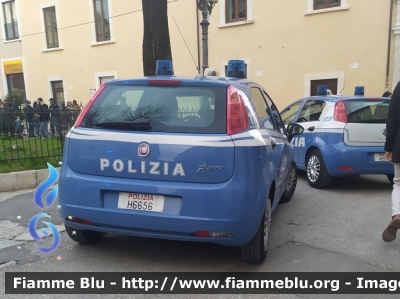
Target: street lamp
[205,6]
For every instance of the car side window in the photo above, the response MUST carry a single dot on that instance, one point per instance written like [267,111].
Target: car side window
[311,111]
[290,112]
[261,108]
[275,114]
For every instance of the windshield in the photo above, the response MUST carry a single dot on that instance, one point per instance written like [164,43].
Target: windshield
[158,108]
[368,111]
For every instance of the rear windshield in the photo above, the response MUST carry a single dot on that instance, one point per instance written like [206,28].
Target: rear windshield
[367,111]
[178,109]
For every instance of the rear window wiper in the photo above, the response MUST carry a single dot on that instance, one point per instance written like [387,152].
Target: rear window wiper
[124,125]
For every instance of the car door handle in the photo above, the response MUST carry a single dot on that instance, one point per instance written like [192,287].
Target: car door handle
[311,128]
[273,144]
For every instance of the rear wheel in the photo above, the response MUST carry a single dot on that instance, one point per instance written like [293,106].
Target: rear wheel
[291,185]
[256,250]
[84,237]
[317,175]
[390,178]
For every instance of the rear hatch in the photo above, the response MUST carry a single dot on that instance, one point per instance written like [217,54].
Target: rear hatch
[169,130]
[366,121]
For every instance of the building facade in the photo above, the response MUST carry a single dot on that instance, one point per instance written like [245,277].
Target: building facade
[72,47]
[11,54]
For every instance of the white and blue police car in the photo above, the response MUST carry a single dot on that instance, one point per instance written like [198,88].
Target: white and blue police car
[342,135]
[178,158]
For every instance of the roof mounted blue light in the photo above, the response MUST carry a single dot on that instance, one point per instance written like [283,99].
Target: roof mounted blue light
[359,91]
[236,69]
[164,68]
[322,90]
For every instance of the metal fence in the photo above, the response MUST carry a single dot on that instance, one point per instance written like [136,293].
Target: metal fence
[31,136]
[27,136]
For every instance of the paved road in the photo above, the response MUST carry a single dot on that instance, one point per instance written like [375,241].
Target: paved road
[319,230]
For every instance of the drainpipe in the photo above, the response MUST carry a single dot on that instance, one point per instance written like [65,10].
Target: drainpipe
[389,46]
[198,36]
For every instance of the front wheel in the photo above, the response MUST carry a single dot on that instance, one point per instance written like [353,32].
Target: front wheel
[291,185]
[256,251]
[317,175]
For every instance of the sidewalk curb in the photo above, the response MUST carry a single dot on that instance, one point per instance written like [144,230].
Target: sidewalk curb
[15,181]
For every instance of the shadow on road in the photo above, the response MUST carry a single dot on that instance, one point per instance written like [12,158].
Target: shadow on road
[355,183]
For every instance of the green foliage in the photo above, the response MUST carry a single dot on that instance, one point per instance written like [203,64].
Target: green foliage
[15,95]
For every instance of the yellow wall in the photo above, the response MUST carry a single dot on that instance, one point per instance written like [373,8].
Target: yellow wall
[283,43]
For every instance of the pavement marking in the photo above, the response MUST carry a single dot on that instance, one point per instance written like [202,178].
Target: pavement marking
[8,243]
[8,264]
[7,195]
[28,237]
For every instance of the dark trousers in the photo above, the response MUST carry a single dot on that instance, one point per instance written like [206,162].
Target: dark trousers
[54,125]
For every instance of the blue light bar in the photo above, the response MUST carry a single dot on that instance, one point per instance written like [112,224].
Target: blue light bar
[164,68]
[322,90]
[359,91]
[236,69]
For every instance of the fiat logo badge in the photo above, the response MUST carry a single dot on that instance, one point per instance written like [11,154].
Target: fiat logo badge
[384,132]
[143,150]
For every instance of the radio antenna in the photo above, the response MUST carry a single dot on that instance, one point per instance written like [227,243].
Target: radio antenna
[198,70]
[352,73]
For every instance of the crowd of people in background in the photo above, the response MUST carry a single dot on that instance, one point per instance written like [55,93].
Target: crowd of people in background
[40,119]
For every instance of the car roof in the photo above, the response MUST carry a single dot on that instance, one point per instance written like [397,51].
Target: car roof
[193,81]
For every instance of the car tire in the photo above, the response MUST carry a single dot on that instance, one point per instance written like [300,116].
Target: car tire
[256,251]
[84,237]
[291,185]
[317,175]
[390,178]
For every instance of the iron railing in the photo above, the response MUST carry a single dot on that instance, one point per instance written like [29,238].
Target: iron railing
[27,136]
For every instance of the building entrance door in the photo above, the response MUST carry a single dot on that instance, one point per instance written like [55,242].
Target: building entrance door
[331,83]
[58,92]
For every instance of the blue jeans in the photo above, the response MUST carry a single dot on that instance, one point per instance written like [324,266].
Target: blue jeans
[44,128]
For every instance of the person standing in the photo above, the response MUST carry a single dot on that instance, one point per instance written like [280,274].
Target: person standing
[54,118]
[392,153]
[43,118]
[35,118]
[29,118]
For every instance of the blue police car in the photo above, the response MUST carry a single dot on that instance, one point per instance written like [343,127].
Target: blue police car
[202,159]
[342,135]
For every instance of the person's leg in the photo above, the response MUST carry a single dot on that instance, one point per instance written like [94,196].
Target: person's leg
[46,128]
[52,126]
[389,233]
[41,129]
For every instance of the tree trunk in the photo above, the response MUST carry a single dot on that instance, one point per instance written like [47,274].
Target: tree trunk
[156,43]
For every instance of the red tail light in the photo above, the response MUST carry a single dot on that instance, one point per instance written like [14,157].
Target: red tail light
[236,119]
[201,234]
[87,107]
[340,113]
[80,220]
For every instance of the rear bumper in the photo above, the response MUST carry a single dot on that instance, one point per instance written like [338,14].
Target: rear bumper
[361,158]
[235,207]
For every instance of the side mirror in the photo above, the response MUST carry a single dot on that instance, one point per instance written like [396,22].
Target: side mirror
[293,130]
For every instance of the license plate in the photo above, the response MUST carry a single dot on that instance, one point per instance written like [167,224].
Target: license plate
[141,202]
[380,157]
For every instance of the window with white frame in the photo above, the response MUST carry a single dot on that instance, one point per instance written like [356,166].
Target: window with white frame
[10,20]
[320,6]
[235,12]
[102,20]
[50,24]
